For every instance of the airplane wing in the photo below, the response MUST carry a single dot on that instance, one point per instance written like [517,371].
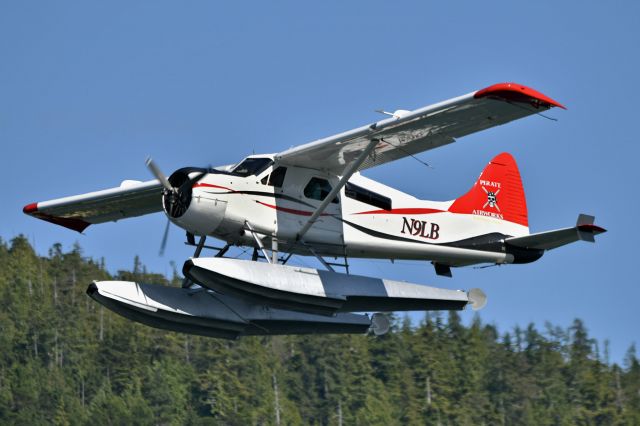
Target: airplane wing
[130,199]
[410,132]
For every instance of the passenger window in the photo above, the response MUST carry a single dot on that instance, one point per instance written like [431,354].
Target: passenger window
[318,189]
[276,178]
[365,196]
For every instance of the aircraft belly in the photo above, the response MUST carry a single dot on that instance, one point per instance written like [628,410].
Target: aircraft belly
[453,256]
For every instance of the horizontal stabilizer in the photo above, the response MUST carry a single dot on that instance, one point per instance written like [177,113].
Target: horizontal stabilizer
[585,230]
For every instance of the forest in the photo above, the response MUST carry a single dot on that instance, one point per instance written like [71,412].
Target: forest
[66,360]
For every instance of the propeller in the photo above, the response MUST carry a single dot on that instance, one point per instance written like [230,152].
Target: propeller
[155,171]
[163,244]
[176,199]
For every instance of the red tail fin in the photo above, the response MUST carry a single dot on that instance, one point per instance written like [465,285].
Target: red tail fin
[497,193]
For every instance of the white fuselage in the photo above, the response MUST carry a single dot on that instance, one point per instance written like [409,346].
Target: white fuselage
[368,219]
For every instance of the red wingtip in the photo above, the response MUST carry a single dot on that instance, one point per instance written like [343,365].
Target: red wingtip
[30,208]
[517,93]
[75,224]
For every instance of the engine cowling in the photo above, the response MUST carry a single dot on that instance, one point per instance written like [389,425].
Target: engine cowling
[195,211]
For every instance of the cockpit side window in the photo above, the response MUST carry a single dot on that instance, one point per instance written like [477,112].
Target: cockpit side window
[276,178]
[251,167]
[318,189]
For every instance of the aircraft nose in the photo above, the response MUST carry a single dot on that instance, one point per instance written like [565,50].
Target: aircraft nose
[176,200]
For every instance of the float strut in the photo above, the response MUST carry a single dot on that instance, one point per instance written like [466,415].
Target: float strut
[258,241]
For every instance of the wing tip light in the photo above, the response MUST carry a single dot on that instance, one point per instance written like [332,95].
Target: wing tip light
[517,93]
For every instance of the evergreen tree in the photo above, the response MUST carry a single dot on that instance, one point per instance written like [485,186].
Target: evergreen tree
[66,360]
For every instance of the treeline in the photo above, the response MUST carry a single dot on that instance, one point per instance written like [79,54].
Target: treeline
[66,360]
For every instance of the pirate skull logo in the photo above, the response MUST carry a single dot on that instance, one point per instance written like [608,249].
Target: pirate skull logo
[492,199]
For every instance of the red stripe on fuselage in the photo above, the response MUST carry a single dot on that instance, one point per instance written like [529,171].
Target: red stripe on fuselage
[208,185]
[404,211]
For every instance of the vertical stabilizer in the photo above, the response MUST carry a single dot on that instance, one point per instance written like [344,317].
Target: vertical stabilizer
[497,193]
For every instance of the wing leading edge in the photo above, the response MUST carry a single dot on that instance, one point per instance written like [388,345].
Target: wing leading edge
[77,212]
[410,132]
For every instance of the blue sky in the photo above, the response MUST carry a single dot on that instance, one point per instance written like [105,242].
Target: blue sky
[89,89]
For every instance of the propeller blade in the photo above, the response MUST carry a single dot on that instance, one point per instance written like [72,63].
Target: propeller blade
[163,245]
[155,170]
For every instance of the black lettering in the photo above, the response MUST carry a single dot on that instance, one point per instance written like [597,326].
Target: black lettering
[405,224]
[434,231]
[417,226]
[424,228]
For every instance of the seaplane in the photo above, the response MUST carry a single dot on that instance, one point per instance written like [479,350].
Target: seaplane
[312,200]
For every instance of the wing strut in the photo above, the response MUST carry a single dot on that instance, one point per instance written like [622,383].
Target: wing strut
[346,174]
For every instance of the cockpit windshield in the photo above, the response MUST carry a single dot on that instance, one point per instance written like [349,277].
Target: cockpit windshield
[251,166]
